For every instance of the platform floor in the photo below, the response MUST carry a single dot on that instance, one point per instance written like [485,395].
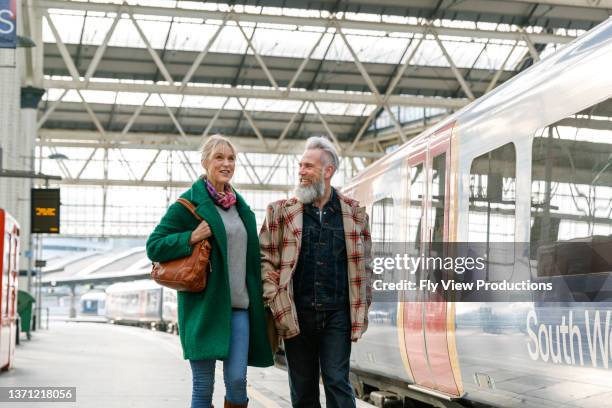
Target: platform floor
[118,366]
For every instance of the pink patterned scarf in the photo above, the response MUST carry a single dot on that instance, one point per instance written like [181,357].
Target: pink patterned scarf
[225,199]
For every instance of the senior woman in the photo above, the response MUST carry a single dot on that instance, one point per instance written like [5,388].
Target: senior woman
[226,321]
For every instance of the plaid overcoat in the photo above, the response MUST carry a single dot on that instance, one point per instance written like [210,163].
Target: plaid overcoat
[280,240]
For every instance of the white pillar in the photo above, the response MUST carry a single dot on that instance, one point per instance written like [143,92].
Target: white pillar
[30,98]
[9,130]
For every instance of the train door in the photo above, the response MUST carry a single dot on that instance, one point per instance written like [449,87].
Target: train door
[425,318]
[435,310]
[411,308]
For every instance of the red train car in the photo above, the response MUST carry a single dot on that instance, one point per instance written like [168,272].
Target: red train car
[9,267]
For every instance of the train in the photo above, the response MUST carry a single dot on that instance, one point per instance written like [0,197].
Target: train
[93,304]
[9,272]
[142,303]
[526,168]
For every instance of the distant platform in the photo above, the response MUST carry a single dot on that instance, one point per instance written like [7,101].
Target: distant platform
[119,366]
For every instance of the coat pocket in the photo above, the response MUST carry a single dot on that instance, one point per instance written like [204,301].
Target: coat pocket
[281,307]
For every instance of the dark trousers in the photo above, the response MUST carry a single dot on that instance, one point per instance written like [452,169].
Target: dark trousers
[324,343]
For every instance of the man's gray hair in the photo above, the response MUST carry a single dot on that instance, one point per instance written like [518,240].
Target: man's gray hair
[328,148]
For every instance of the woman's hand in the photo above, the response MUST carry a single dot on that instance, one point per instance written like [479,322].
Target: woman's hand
[201,233]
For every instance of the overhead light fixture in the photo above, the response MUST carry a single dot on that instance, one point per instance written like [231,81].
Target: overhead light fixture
[58,156]
[25,42]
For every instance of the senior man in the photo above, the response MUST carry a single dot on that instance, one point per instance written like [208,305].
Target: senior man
[316,275]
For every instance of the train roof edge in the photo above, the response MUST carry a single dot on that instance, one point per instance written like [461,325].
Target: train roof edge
[589,40]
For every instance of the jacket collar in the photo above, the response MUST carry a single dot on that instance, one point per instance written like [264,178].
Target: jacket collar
[205,207]
[294,209]
[293,203]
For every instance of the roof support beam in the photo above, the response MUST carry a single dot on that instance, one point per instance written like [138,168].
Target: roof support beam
[169,184]
[501,69]
[288,127]
[155,141]
[76,77]
[597,4]
[308,21]
[330,132]
[186,163]
[260,60]
[249,119]
[277,162]
[305,61]
[184,160]
[196,63]
[93,153]
[299,95]
[160,64]
[250,166]
[151,163]
[51,109]
[531,47]
[100,51]
[134,116]
[390,89]
[381,101]
[464,84]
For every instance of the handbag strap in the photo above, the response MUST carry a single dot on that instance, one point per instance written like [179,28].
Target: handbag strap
[190,207]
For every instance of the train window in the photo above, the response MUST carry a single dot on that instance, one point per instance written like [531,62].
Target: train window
[417,189]
[382,220]
[152,301]
[571,187]
[438,187]
[492,215]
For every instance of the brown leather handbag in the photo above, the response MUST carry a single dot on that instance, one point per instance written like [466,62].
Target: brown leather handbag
[188,274]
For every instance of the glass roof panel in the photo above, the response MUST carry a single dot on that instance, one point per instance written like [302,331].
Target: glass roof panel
[463,54]
[295,44]
[191,36]
[275,40]
[126,34]
[68,26]
[96,29]
[231,40]
[493,57]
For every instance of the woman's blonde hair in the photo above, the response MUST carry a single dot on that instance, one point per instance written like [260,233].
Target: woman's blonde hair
[211,144]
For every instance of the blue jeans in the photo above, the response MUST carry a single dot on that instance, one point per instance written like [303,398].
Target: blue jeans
[324,343]
[234,367]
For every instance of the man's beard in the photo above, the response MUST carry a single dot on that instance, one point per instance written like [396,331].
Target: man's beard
[310,193]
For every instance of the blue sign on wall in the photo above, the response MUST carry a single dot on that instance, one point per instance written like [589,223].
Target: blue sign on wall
[8,23]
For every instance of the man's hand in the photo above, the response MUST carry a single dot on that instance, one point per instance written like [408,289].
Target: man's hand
[201,233]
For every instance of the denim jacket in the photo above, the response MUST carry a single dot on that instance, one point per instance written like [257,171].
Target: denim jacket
[320,281]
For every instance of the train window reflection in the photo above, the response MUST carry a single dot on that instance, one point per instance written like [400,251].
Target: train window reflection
[492,211]
[382,220]
[417,189]
[152,301]
[571,189]
[492,214]
[438,184]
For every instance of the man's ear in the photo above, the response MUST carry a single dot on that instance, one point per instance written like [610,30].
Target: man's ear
[329,171]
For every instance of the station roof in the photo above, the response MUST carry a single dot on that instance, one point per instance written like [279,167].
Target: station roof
[287,68]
